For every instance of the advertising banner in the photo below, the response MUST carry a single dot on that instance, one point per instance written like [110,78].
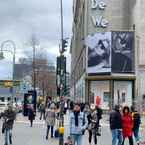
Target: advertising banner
[122,52]
[30,100]
[99,53]
[110,52]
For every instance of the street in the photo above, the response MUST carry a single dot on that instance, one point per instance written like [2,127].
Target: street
[23,134]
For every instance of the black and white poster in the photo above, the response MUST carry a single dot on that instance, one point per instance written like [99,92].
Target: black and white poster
[99,53]
[122,52]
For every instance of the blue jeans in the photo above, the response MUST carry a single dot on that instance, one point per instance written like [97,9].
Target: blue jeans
[136,134]
[116,137]
[8,136]
[77,139]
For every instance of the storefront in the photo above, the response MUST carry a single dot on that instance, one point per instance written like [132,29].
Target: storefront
[111,91]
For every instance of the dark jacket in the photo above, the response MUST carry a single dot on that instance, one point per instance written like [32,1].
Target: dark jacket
[115,120]
[136,120]
[9,117]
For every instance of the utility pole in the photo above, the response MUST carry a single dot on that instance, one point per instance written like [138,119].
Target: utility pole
[34,74]
[61,12]
[61,123]
[33,43]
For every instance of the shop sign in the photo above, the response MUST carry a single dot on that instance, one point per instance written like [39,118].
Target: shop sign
[99,21]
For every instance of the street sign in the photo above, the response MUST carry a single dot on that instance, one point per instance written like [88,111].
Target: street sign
[8,84]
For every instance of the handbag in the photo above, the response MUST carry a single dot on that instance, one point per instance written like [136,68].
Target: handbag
[56,133]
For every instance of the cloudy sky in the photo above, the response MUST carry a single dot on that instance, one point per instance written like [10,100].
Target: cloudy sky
[20,19]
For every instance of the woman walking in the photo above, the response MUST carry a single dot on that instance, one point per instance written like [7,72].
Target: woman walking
[127,123]
[50,120]
[93,128]
[78,124]
[31,115]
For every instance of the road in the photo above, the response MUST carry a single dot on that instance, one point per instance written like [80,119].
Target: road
[23,134]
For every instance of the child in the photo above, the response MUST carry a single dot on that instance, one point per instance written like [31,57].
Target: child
[68,141]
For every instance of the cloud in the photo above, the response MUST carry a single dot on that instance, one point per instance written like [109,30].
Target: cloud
[21,18]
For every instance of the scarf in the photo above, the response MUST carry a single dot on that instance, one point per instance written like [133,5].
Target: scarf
[76,114]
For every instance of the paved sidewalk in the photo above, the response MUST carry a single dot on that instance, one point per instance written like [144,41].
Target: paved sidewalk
[25,135]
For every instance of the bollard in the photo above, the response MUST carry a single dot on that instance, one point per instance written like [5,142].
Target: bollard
[61,135]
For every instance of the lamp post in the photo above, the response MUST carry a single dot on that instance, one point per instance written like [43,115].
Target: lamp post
[13,53]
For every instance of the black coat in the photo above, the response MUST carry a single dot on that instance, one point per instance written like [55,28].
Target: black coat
[9,117]
[115,120]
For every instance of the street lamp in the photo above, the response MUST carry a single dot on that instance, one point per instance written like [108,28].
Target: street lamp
[13,53]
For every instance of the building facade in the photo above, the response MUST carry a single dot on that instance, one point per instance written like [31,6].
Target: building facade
[118,29]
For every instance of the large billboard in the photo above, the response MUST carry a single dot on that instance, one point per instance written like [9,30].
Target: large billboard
[6,69]
[122,52]
[110,52]
[99,53]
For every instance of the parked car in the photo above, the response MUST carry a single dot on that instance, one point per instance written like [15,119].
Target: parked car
[3,106]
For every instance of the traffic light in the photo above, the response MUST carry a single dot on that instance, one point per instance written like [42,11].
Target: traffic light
[64,45]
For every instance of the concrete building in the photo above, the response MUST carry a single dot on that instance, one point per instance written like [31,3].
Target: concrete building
[94,17]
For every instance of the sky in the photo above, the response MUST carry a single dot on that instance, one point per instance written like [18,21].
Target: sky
[20,19]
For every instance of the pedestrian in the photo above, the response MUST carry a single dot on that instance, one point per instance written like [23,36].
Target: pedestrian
[31,115]
[71,106]
[65,107]
[42,110]
[62,104]
[49,101]
[50,120]
[99,113]
[82,106]
[127,123]
[116,126]
[9,115]
[93,127]
[78,123]
[136,124]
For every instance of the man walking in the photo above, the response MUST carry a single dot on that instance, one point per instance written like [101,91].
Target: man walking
[42,111]
[116,126]
[9,116]
[136,124]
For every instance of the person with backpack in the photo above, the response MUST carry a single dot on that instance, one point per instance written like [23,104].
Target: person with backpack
[78,123]
[136,124]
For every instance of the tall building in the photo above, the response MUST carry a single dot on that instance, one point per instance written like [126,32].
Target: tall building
[107,52]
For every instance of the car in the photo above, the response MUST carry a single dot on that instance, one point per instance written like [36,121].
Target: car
[3,106]
[18,106]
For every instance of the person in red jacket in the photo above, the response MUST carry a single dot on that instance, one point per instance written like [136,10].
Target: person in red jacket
[127,123]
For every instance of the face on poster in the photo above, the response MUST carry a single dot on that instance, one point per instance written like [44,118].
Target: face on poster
[122,52]
[99,53]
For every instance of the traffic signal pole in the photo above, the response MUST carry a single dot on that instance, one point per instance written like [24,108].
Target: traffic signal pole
[61,123]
